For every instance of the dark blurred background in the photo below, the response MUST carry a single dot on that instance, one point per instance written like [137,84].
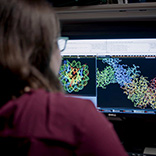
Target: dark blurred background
[64,3]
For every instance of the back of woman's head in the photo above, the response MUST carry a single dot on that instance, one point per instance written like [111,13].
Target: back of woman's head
[28,32]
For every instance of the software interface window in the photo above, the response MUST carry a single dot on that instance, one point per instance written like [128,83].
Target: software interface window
[118,75]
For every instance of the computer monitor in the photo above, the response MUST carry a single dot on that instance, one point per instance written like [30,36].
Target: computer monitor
[117,75]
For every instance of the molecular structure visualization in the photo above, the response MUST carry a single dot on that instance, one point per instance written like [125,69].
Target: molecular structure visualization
[137,88]
[73,76]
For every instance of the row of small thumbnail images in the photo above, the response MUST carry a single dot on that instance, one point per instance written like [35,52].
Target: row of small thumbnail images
[129,111]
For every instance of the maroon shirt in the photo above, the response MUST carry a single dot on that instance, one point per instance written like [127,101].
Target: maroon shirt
[40,123]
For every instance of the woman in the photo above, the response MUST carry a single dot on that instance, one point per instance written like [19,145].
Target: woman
[36,118]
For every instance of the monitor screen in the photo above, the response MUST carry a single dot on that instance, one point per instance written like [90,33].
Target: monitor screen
[117,75]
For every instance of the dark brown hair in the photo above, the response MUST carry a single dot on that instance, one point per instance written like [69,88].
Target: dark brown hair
[28,36]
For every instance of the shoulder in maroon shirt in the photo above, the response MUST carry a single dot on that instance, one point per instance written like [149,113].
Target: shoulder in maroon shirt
[43,123]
